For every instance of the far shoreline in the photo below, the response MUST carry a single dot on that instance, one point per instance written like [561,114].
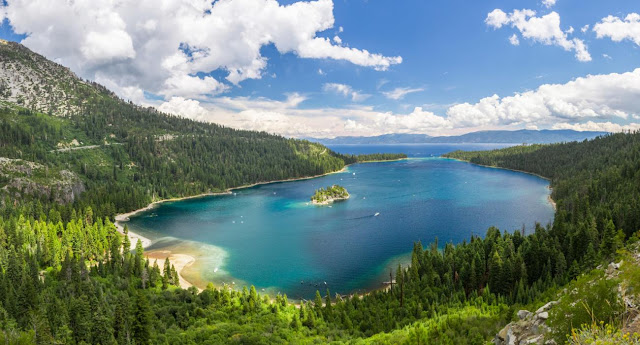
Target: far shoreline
[122,218]
[549,198]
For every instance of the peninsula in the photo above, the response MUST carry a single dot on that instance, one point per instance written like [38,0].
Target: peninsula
[325,196]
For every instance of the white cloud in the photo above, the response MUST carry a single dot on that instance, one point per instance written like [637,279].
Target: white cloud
[399,92]
[188,86]
[337,39]
[545,29]
[321,72]
[618,29]
[131,93]
[598,126]
[108,46]
[188,108]
[160,46]
[592,97]
[585,28]
[514,40]
[418,121]
[609,102]
[381,83]
[549,3]
[606,56]
[346,91]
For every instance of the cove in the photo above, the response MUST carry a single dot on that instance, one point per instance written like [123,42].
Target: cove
[272,237]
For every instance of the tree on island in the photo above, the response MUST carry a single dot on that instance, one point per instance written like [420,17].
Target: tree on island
[329,194]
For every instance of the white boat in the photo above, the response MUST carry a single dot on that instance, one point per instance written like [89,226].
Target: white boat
[354,174]
[377,214]
[215,270]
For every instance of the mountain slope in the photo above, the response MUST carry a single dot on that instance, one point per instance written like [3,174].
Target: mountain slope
[131,155]
[30,80]
[508,137]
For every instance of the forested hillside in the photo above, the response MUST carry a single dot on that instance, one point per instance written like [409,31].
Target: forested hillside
[126,156]
[67,277]
[454,295]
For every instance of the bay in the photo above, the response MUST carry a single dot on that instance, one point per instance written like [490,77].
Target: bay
[270,235]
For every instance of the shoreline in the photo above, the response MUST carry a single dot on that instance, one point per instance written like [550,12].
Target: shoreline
[328,202]
[185,260]
[549,198]
[124,217]
[178,260]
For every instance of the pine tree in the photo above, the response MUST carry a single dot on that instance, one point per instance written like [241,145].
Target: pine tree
[327,305]
[141,327]
[318,303]
[139,259]
[495,273]
[126,242]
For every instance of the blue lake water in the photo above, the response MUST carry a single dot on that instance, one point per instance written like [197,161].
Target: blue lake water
[271,237]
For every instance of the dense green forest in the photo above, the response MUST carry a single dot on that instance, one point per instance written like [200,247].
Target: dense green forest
[67,277]
[373,157]
[70,282]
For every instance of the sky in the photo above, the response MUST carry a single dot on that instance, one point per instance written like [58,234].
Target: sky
[353,67]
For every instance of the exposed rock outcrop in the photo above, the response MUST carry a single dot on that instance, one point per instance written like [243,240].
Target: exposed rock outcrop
[19,178]
[530,329]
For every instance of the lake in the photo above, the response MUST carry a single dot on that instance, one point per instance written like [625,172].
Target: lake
[270,236]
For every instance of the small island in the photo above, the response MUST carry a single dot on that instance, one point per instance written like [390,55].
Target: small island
[325,196]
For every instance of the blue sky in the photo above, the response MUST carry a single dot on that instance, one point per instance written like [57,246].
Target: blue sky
[451,55]
[448,50]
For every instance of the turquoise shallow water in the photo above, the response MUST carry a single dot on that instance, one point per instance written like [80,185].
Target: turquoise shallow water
[270,237]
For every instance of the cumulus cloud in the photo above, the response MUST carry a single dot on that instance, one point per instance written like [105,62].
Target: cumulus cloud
[549,3]
[591,97]
[514,40]
[418,121]
[188,108]
[619,29]
[598,126]
[545,30]
[399,92]
[346,91]
[166,47]
[608,102]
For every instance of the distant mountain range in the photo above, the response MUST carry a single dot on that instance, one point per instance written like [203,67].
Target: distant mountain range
[498,137]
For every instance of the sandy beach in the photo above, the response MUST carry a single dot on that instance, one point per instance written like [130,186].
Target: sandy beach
[185,260]
[179,261]
[124,217]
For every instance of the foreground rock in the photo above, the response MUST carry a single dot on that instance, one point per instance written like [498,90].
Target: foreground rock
[530,329]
